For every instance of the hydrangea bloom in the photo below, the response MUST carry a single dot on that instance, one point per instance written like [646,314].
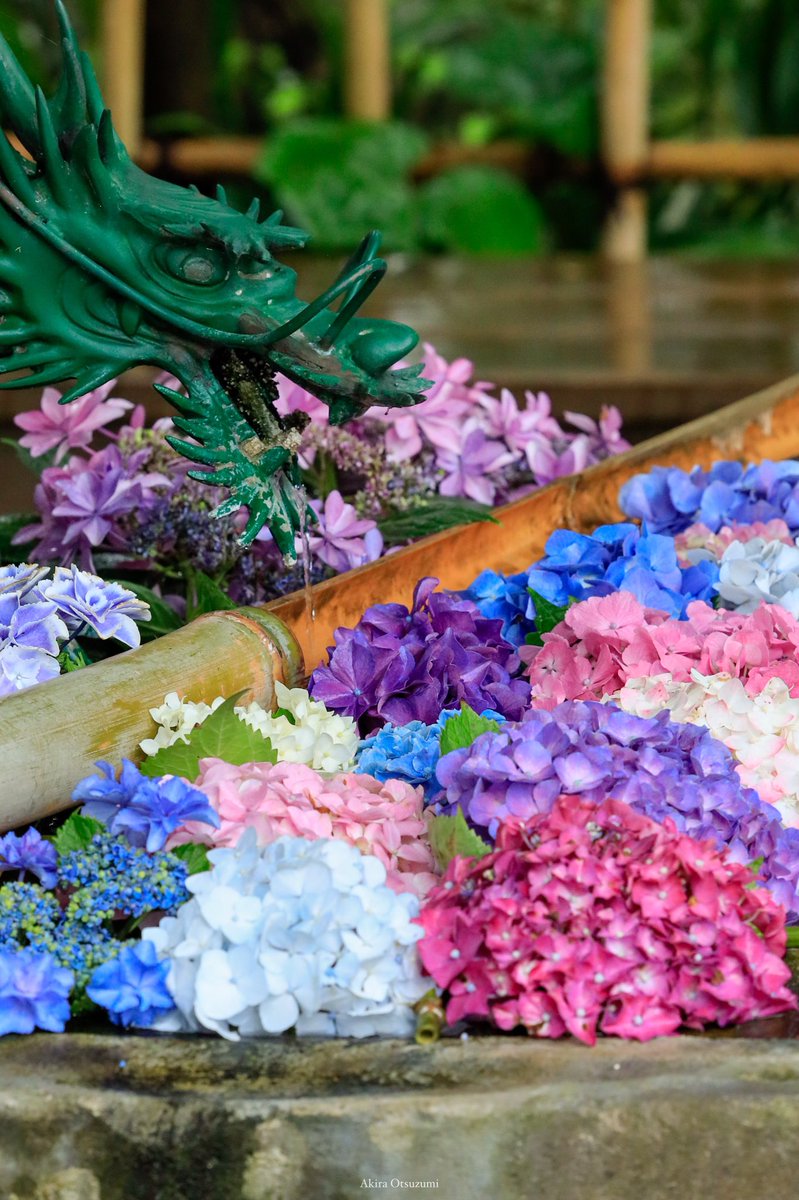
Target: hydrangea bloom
[669,499]
[22,667]
[616,557]
[596,919]
[84,600]
[145,811]
[504,598]
[34,992]
[697,542]
[302,731]
[408,752]
[132,986]
[606,641]
[62,427]
[381,818]
[30,854]
[402,665]
[339,537]
[658,767]
[756,572]
[761,731]
[301,934]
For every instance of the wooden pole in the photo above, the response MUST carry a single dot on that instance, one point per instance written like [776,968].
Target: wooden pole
[625,122]
[367,67]
[122,35]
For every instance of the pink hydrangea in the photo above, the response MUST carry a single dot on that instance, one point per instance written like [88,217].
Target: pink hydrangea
[339,537]
[605,641]
[592,920]
[289,799]
[63,427]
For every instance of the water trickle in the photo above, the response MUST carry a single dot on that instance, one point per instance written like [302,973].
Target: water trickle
[305,557]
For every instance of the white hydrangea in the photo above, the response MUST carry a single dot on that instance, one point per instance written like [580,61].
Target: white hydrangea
[299,935]
[311,734]
[759,570]
[761,731]
[175,719]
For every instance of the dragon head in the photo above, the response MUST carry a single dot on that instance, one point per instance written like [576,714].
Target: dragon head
[103,267]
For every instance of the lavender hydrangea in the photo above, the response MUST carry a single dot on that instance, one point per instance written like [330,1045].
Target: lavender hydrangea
[399,665]
[34,992]
[661,768]
[85,601]
[145,811]
[29,854]
[669,499]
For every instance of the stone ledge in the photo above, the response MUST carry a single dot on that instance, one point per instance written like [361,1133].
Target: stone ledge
[86,1117]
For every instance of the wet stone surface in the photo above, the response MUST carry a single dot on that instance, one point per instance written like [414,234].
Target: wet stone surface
[85,1117]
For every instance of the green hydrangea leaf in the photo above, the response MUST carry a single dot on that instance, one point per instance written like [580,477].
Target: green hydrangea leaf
[76,833]
[222,735]
[163,618]
[194,856]
[451,836]
[465,728]
[444,512]
[547,616]
[204,595]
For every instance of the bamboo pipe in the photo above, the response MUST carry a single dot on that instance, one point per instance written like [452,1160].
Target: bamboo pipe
[765,425]
[51,735]
[625,121]
[367,70]
[122,27]
[760,158]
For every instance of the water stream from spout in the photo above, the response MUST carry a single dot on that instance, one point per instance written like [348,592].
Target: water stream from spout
[305,558]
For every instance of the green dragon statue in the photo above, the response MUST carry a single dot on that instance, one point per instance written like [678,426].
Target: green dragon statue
[103,267]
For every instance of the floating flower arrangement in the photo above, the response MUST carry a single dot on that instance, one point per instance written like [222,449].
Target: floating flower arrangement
[563,802]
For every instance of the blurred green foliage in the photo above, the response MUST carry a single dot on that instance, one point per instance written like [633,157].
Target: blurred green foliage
[475,71]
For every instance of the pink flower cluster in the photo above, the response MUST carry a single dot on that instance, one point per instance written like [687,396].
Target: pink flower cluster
[697,542]
[588,920]
[606,641]
[289,799]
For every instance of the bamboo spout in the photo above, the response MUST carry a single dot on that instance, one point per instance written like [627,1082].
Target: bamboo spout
[51,735]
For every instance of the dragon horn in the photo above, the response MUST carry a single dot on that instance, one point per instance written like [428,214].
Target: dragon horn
[70,101]
[17,100]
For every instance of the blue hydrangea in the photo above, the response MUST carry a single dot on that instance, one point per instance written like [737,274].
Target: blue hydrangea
[669,499]
[87,602]
[112,878]
[132,987]
[145,811]
[619,557]
[659,767]
[504,598]
[34,992]
[30,854]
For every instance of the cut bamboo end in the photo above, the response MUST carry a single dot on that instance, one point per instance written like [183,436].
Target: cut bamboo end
[52,735]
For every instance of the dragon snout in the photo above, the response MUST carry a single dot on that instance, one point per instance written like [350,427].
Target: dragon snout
[375,346]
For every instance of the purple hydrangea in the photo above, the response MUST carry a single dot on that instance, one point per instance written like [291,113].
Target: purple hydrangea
[661,768]
[23,666]
[132,986]
[34,992]
[108,608]
[145,811]
[619,557]
[669,499]
[399,665]
[30,854]
[26,621]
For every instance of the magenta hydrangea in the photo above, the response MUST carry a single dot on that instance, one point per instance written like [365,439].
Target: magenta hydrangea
[589,920]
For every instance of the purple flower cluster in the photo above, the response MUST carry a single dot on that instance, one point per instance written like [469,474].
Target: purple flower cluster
[658,767]
[29,854]
[669,499]
[143,810]
[399,665]
[34,992]
[38,614]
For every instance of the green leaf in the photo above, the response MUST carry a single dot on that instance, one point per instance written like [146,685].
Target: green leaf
[547,616]
[73,658]
[284,712]
[465,728]
[444,512]
[194,856]
[792,933]
[451,836]
[222,735]
[10,525]
[163,618]
[480,210]
[34,465]
[76,833]
[205,595]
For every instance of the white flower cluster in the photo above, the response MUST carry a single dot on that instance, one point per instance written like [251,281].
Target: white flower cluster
[761,731]
[175,719]
[298,935]
[303,731]
[759,570]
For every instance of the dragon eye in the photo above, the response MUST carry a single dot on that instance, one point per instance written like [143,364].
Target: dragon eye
[202,267]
